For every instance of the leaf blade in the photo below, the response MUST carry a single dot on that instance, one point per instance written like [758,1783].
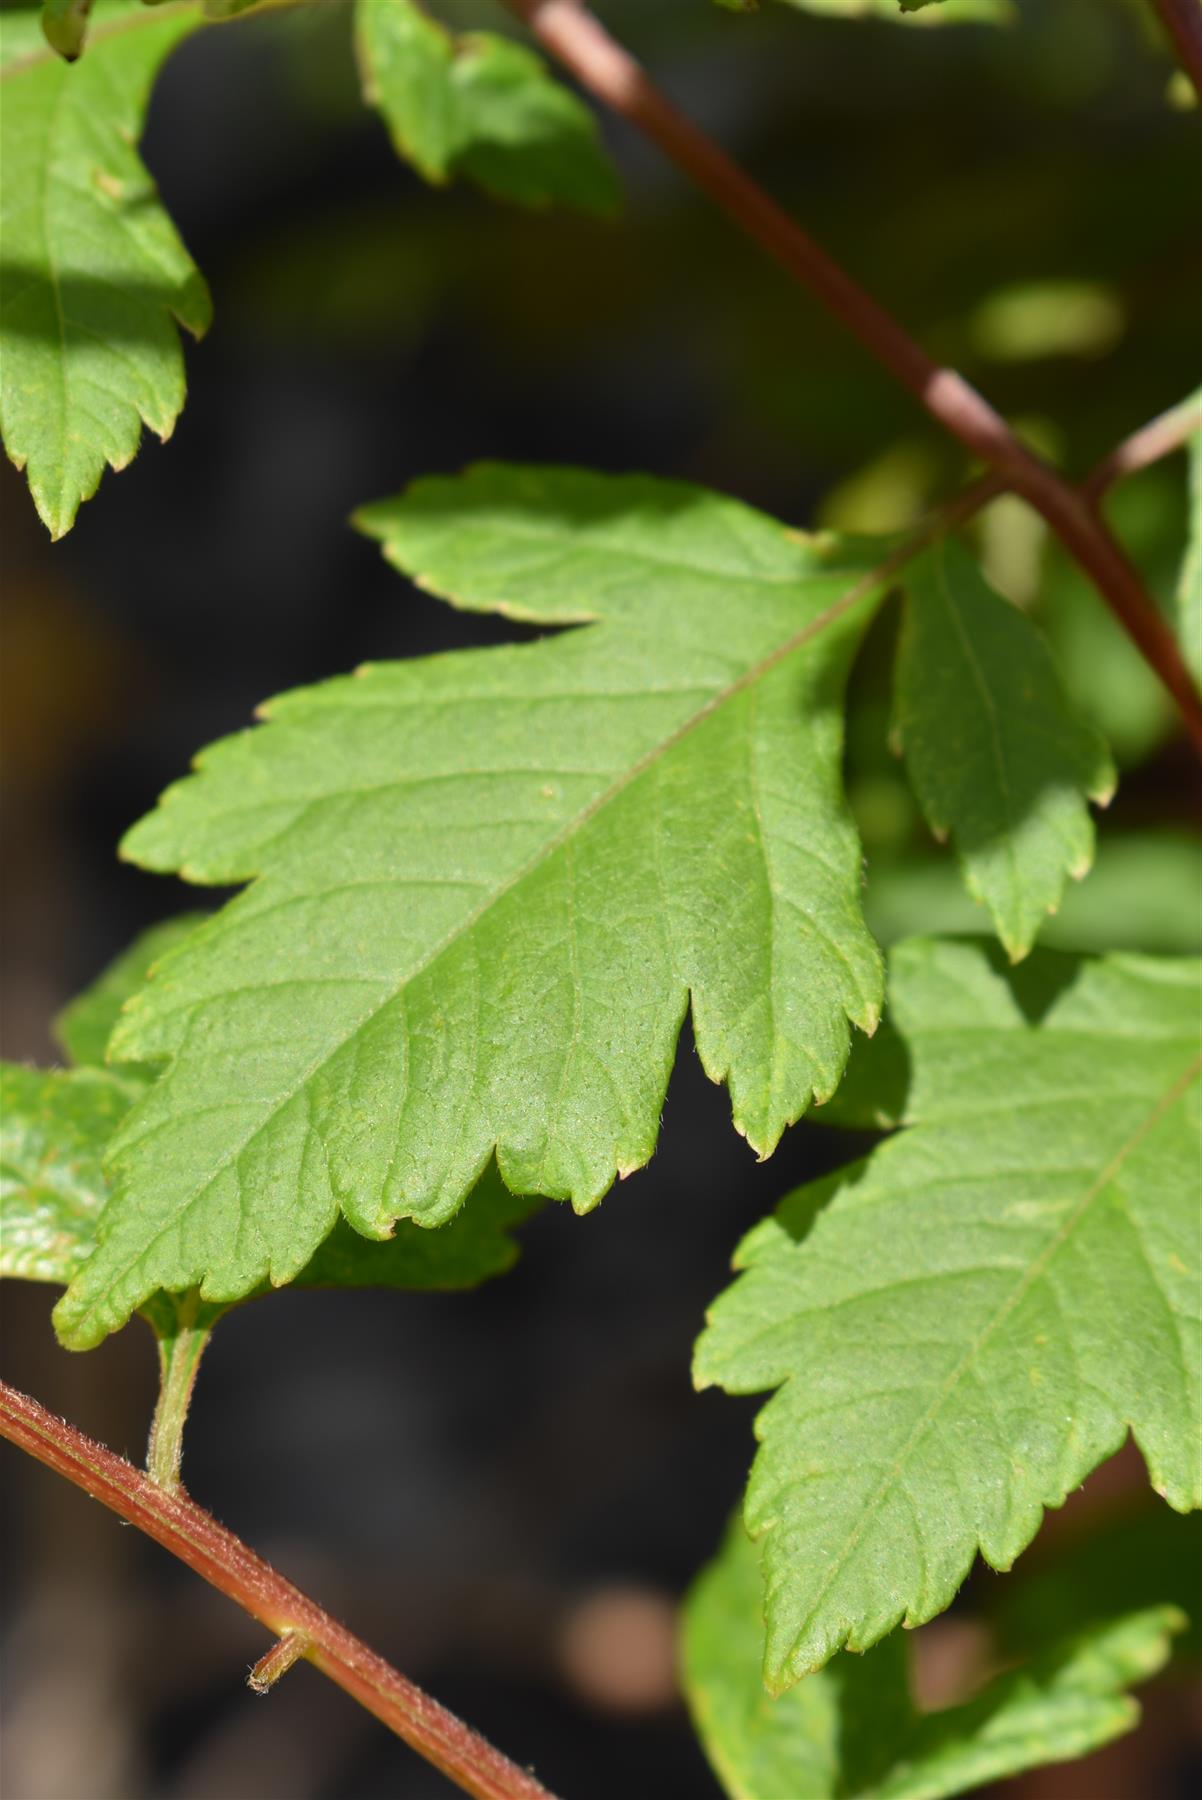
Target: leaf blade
[852,1729]
[992,1296]
[96,277]
[54,1126]
[485,892]
[996,756]
[480,106]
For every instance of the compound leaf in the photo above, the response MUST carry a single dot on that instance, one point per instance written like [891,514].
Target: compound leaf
[851,1732]
[95,278]
[966,1322]
[489,882]
[995,753]
[480,106]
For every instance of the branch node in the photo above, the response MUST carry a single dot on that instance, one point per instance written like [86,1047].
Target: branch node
[277,1661]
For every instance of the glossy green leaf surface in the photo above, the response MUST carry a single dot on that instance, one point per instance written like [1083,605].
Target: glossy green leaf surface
[851,1732]
[54,1126]
[481,107]
[998,759]
[969,1320]
[486,886]
[95,278]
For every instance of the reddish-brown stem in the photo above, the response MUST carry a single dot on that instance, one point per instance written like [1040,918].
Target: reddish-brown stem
[189,1532]
[580,42]
[1182,19]
[1160,437]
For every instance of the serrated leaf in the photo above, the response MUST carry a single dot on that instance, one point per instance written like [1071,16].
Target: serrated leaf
[482,107]
[851,1732]
[84,1027]
[95,278]
[1066,1702]
[1189,585]
[488,884]
[966,1322]
[54,1126]
[996,755]
[1144,892]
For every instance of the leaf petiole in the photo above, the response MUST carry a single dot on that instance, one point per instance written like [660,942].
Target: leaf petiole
[181,1324]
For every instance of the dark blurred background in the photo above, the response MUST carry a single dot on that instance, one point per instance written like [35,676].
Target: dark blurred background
[507,1491]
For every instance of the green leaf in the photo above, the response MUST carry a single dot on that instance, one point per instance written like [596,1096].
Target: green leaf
[851,1732]
[1143,893]
[65,25]
[95,277]
[481,107]
[489,883]
[1122,1561]
[901,12]
[995,753]
[54,1127]
[1189,585]
[966,1322]
[84,1027]
[474,1245]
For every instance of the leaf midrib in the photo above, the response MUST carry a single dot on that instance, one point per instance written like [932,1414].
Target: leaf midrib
[862,590]
[1164,1104]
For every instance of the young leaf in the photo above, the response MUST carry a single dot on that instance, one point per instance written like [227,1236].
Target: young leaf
[95,277]
[994,751]
[851,1732]
[489,883]
[482,107]
[54,1127]
[968,1321]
